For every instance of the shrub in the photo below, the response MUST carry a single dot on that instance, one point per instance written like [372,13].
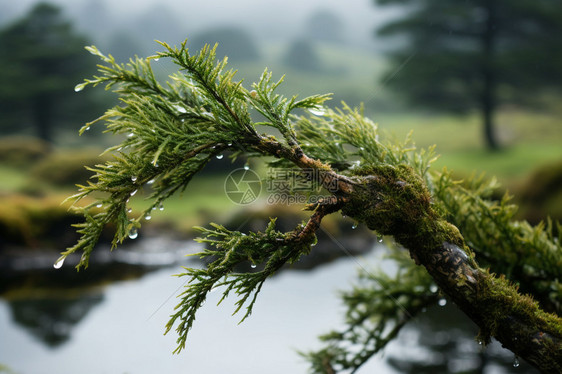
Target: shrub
[66,168]
[21,150]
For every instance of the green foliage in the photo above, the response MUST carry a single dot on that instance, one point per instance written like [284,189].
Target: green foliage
[461,56]
[531,256]
[41,57]
[173,130]
[271,248]
[377,307]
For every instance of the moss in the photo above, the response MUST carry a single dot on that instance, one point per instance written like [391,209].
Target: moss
[66,168]
[36,222]
[391,200]
[21,151]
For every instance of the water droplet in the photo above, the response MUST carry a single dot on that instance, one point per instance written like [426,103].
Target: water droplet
[219,157]
[380,239]
[129,210]
[156,59]
[433,288]
[313,244]
[337,144]
[148,217]
[131,135]
[246,167]
[59,263]
[229,144]
[88,128]
[134,179]
[355,224]
[79,87]
[180,109]
[134,192]
[161,207]
[362,148]
[317,111]
[442,302]
[516,362]
[99,205]
[253,266]
[253,94]
[150,181]
[134,233]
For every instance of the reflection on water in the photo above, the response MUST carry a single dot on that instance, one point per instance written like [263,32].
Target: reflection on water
[86,327]
[51,320]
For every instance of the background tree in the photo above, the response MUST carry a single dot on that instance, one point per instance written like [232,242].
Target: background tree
[324,25]
[301,54]
[41,60]
[475,55]
[234,41]
[175,130]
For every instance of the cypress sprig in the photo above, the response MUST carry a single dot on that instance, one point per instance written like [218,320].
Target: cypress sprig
[271,249]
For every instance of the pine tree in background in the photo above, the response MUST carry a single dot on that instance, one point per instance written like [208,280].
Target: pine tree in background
[461,56]
[41,59]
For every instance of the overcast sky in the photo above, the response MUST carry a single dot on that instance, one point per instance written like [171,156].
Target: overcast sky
[360,17]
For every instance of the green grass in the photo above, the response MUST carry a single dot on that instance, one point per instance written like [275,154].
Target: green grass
[529,139]
[12,178]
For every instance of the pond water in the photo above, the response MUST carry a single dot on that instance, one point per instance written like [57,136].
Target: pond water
[122,331]
[118,328]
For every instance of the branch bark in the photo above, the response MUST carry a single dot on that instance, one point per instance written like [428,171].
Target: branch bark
[395,201]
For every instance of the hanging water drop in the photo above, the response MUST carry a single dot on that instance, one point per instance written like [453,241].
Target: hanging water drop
[134,192]
[99,205]
[355,224]
[442,302]
[433,288]
[150,181]
[134,233]
[59,263]
[156,59]
[380,239]
[88,128]
[148,217]
[219,157]
[229,144]
[246,167]
[362,148]
[253,266]
[129,210]
[516,362]
[131,135]
[134,179]
[161,207]
[79,87]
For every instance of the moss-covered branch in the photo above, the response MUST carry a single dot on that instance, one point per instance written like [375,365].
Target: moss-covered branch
[174,130]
